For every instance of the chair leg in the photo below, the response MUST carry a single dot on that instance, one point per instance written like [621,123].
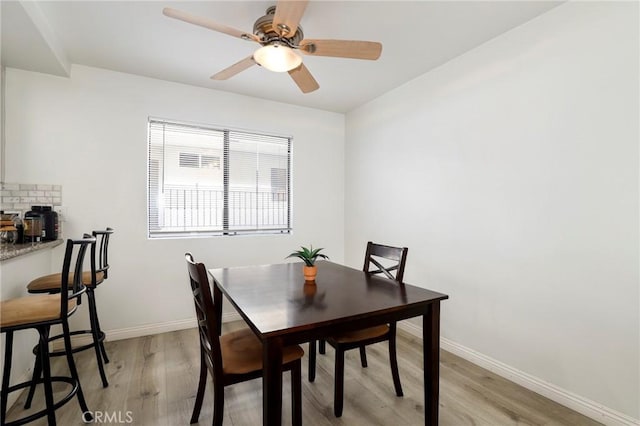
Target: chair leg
[363,356]
[322,348]
[46,374]
[312,360]
[6,373]
[37,372]
[202,384]
[72,365]
[218,403]
[296,394]
[393,360]
[338,391]
[93,318]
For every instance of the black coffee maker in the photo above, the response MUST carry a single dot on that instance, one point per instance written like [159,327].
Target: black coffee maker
[48,220]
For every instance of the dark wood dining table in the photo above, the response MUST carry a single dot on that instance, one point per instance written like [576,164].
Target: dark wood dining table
[282,310]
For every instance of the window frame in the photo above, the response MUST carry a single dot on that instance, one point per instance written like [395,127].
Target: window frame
[224,165]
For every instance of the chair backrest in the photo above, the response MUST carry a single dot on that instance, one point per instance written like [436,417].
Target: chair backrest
[398,255]
[101,257]
[208,306]
[75,288]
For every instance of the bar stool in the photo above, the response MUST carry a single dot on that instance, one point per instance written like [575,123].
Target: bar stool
[40,313]
[51,284]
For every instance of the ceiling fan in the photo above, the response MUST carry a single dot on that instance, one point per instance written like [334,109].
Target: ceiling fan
[280,35]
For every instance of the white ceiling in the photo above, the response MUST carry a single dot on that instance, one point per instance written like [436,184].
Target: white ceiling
[135,37]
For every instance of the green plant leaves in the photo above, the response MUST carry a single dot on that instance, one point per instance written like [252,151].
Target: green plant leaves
[308,255]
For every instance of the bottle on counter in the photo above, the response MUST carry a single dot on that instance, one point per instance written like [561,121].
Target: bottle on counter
[33,221]
[20,233]
[49,222]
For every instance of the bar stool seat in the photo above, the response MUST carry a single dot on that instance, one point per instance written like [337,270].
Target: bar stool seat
[32,309]
[51,283]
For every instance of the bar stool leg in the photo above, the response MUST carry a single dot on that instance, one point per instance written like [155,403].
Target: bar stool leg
[93,317]
[72,365]
[37,371]
[46,373]
[93,309]
[104,353]
[105,358]
[8,351]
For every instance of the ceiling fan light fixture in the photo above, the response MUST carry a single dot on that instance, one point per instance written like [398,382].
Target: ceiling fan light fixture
[277,57]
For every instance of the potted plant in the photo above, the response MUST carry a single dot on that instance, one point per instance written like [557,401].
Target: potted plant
[309,257]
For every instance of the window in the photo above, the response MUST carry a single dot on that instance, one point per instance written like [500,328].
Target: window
[208,181]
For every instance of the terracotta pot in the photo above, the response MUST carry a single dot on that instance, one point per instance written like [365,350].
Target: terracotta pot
[310,272]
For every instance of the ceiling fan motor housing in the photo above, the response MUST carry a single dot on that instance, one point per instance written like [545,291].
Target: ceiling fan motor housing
[264,29]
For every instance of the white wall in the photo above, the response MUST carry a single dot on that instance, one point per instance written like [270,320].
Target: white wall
[511,173]
[89,134]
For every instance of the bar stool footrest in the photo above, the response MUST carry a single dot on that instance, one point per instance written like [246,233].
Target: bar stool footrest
[74,350]
[44,412]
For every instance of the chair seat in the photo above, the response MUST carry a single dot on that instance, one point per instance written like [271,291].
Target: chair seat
[242,352]
[360,335]
[31,309]
[52,281]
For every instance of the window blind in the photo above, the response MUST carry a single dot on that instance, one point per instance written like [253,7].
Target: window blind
[208,181]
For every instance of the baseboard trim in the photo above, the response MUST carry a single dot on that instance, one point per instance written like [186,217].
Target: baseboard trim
[165,327]
[142,330]
[582,405]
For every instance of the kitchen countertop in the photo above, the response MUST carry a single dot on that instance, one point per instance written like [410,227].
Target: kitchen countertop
[9,251]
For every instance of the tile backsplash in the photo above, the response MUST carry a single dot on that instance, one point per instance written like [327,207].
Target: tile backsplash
[19,197]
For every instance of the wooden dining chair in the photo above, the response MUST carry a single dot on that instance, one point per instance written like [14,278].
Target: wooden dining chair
[232,357]
[393,269]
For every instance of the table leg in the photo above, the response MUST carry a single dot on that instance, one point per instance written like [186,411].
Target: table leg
[272,382]
[431,350]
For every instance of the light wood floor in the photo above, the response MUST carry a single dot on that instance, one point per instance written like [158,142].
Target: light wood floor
[153,381]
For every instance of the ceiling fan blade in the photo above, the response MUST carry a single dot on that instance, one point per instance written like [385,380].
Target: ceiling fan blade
[234,69]
[304,79]
[207,23]
[288,14]
[342,48]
